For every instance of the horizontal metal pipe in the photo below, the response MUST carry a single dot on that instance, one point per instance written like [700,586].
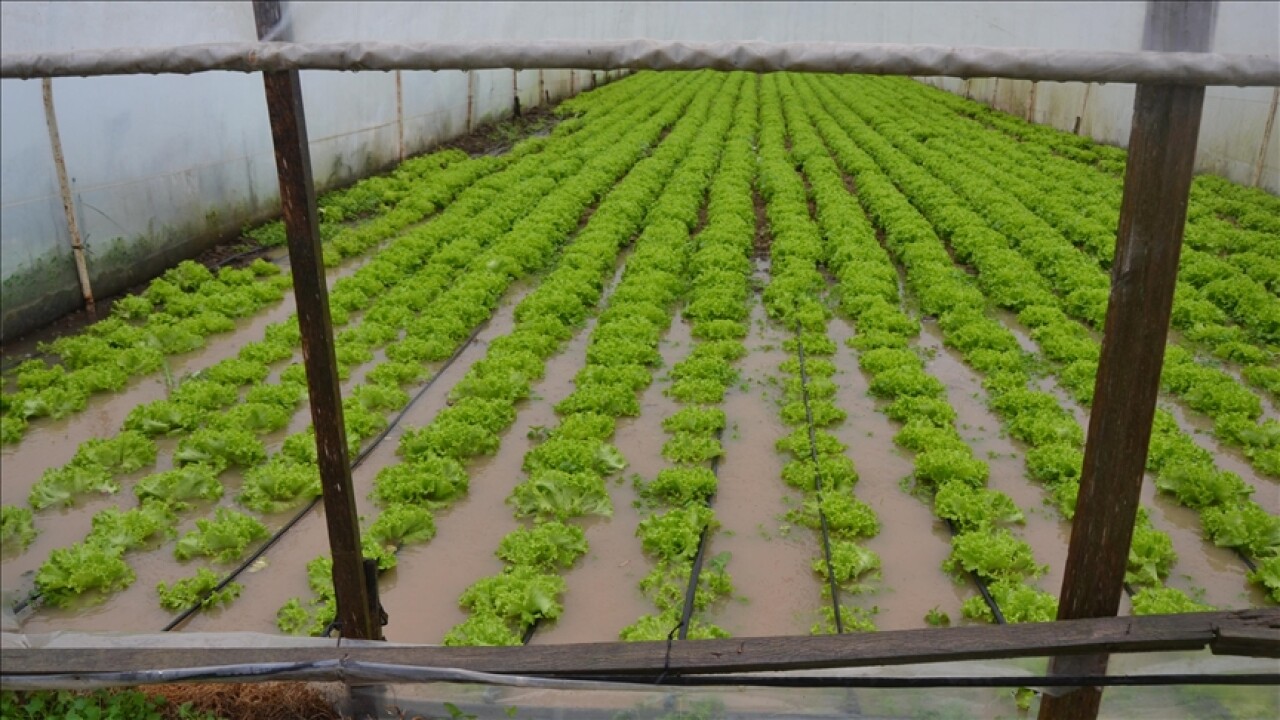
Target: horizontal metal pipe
[1177,68]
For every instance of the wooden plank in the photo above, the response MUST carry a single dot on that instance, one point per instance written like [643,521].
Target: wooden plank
[1153,211]
[1253,639]
[1266,138]
[1128,634]
[298,206]
[64,191]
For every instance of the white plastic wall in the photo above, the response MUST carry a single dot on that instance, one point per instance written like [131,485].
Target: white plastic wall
[162,166]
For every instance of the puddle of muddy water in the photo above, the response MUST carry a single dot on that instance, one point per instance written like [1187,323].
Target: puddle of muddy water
[1200,429]
[1209,573]
[775,590]
[912,544]
[603,595]
[1214,574]
[1046,532]
[424,589]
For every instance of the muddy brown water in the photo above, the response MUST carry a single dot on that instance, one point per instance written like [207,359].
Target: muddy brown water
[1212,574]
[912,543]
[1044,530]
[603,594]
[287,560]
[775,590]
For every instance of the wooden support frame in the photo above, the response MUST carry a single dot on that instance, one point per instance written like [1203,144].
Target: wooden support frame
[1246,632]
[1153,211]
[64,192]
[1157,182]
[355,615]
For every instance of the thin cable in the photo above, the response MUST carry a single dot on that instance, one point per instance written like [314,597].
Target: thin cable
[1248,561]
[686,612]
[360,458]
[982,584]
[817,483]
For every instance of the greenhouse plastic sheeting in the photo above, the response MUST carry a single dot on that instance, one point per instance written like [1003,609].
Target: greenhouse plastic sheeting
[431,691]
[886,59]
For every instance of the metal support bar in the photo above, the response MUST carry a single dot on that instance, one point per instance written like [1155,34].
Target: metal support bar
[298,205]
[1157,184]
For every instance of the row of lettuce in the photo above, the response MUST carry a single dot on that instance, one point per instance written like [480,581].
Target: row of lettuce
[679,498]
[1007,206]
[178,312]
[1252,209]
[406,277]
[509,222]
[946,472]
[1181,467]
[567,470]
[818,465]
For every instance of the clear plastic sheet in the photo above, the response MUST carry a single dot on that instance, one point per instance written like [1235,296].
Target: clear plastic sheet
[383,689]
[885,59]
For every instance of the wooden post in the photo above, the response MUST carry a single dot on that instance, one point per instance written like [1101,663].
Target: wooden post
[399,118]
[471,92]
[1266,138]
[64,189]
[1084,109]
[1157,183]
[1031,102]
[298,205]
[515,93]
[541,85]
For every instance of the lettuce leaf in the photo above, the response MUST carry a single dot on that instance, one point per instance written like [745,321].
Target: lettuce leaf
[223,538]
[81,568]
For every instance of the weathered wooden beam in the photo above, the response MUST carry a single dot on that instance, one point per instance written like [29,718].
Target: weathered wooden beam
[1067,637]
[64,191]
[1157,184]
[298,206]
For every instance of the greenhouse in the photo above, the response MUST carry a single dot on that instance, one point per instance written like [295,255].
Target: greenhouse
[640,360]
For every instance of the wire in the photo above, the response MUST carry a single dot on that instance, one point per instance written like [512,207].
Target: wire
[982,584]
[360,458]
[817,484]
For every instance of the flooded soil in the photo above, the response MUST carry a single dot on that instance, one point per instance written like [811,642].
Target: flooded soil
[912,543]
[775,591]
[603,595]
[1044,530]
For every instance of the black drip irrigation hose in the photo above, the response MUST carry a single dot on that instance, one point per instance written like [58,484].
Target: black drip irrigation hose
[817,483]
[360,458]
[690,593]
[982,584]
[1248,561]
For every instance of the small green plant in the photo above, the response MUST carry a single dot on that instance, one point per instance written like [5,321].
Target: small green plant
[103,704]
[937,618]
